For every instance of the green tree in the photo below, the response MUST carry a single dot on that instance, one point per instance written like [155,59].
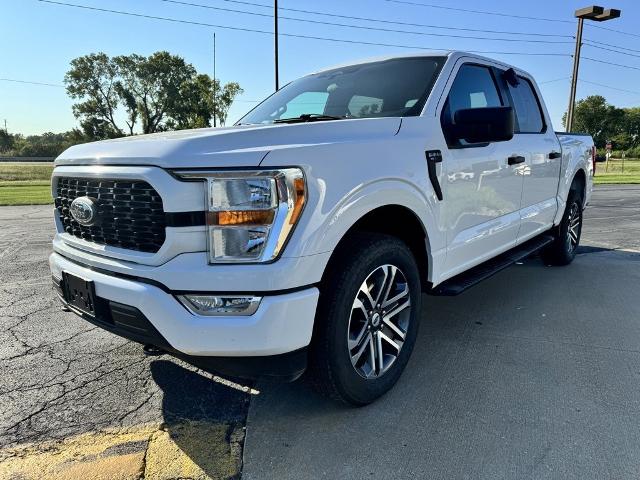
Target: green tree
[593,115]
[94,78]
[6,141]
[46,145]
[631,126]
[155,93]
[224,98]
[150,87]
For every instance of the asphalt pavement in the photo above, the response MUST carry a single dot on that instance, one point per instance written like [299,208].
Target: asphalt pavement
[120,414]
[532,374]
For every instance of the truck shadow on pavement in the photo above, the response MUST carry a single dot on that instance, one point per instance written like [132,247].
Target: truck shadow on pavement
[501,378]
[204,419]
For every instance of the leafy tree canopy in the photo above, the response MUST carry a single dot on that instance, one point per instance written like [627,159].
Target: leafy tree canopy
[46,145]
[121,95]
[605,122]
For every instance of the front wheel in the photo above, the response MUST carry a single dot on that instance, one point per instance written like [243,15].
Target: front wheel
[367,319]
[562,250]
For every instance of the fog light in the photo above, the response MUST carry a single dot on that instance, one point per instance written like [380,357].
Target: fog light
[219,305]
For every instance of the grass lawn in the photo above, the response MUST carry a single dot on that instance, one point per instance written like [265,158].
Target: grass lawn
[613,173]
[29,183]
[25,183]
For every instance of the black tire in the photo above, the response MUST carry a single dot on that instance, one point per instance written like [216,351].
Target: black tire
[562,250]
[364,257]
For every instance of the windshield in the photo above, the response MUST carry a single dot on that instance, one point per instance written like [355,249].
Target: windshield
[391,88]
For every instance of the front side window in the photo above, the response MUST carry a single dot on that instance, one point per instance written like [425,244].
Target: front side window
[473,87]
[390,88]
[527,108]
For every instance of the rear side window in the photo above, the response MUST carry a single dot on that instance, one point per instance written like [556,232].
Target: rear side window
[527,108]
[361,106]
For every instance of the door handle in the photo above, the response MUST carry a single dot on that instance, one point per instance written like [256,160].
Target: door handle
[516,159]
[554,155]
[433,158]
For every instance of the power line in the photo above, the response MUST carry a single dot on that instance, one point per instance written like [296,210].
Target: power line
[30,82]
[613,46]
[613,30]
[554,80]
[609,86]
[360,27]
[611,63]
[481,12]
[611,50]
[391,22]
[292,35]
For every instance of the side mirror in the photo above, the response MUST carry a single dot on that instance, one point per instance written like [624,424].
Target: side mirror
[484,125]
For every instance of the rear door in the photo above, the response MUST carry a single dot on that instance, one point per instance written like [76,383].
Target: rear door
[482,191]
[542,152]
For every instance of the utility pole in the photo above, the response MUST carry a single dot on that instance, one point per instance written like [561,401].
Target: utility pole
[597,14]
[275,20]
[215,87]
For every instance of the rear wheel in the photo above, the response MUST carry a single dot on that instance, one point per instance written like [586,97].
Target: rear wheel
[367,319]
[567,235]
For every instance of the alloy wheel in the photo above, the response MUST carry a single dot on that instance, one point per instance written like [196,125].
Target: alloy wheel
[573,230]
[379,321]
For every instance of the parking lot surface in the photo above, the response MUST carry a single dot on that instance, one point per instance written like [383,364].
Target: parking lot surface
[532,374]
[121,415]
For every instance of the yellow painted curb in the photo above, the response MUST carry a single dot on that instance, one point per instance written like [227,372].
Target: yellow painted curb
[197,450]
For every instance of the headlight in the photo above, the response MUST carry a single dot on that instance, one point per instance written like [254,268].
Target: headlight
[251,214]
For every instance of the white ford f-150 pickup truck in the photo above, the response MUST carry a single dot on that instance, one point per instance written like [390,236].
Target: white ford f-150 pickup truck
[303,237]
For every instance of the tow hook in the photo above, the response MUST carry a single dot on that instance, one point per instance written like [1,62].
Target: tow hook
[152,351]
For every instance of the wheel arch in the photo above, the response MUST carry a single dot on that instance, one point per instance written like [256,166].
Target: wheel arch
[580,177]
[399,221]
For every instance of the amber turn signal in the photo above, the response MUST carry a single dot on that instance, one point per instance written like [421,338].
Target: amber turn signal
[240,217]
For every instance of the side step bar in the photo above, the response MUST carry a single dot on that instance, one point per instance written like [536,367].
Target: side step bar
[458,284]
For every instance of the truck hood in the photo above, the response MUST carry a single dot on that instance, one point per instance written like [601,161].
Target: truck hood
[238,146]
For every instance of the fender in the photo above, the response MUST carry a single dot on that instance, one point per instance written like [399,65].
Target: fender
[368,198]
[389,171]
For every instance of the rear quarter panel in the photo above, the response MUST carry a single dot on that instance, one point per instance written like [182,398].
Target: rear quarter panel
[576,155]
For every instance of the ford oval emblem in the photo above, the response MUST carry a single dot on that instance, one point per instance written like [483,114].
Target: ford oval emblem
[84,210]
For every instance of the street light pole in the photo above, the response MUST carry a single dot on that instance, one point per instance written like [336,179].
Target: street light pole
[215,87]
[574,76]
[597,14]
[275,28]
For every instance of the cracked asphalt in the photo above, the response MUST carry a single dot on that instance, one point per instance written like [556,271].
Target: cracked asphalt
[63,378]
[77,402]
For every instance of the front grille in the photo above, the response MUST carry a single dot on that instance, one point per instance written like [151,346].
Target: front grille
[130,212]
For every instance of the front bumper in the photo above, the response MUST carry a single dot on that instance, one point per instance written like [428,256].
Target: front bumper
[275,335]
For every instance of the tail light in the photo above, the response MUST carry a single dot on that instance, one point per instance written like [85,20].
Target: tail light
[594,151]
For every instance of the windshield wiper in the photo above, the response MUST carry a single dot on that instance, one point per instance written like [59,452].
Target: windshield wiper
[308,117]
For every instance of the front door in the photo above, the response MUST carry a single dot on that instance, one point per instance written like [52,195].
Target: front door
[482,188]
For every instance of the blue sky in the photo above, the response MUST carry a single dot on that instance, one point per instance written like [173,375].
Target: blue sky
[39,40]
